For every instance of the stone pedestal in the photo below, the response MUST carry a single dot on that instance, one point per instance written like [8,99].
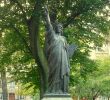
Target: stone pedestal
[57,97]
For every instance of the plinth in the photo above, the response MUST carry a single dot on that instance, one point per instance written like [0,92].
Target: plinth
[57,97]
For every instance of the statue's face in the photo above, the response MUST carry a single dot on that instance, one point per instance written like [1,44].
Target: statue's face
[59,29]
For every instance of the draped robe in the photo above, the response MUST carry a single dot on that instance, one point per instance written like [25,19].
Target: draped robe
[56,53]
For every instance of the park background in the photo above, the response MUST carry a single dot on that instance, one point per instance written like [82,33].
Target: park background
[86,24]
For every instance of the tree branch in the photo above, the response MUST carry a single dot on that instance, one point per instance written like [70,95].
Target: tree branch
[82,7]
[97,93]
[21,36]
[21,8]
[70,19]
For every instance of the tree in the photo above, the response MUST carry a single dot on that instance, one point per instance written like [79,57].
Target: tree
[4,84]
[3,71]
[81,19]
[97,84]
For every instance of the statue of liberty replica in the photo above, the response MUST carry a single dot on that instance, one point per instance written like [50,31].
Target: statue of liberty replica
[57,52]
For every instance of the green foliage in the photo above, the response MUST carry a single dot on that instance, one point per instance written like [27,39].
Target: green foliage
[85,22]
[97,83]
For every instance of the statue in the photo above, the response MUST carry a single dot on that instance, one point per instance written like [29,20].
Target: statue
[57,54]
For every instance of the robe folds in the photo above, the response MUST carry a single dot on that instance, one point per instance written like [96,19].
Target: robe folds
[58,61]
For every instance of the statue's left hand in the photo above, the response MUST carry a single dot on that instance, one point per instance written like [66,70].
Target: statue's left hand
[71,49]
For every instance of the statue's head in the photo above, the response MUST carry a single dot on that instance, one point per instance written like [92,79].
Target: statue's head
[59,28]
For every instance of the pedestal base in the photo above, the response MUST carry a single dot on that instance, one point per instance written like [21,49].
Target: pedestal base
[57,97]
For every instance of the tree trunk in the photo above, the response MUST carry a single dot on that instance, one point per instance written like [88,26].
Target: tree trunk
[94,98]
[78,97]
[37,51]
[4,84]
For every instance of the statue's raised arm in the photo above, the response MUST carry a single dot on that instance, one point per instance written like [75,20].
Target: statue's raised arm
[48,22]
